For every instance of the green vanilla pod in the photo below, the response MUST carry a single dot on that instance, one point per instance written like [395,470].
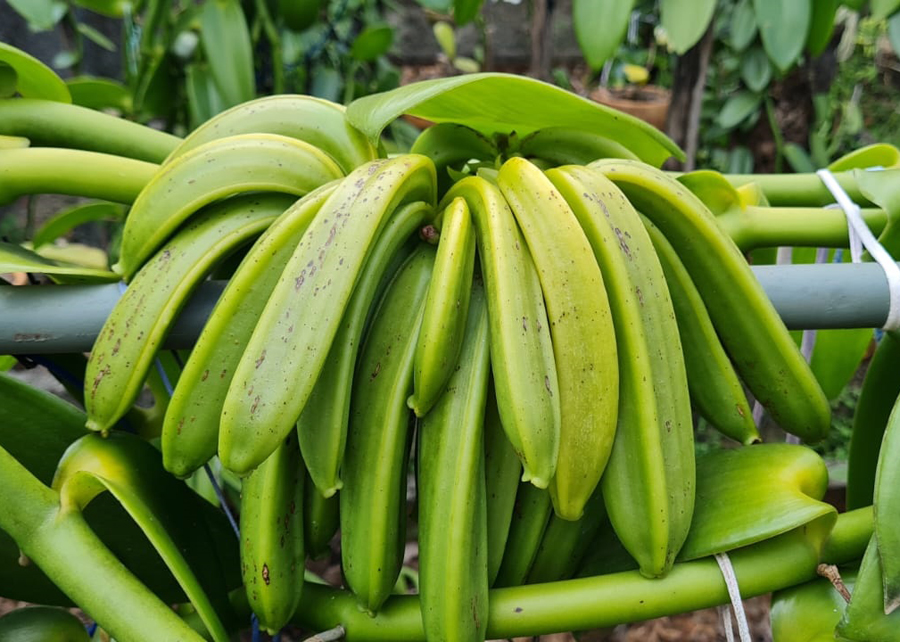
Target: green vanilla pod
[452,520]
[373,499]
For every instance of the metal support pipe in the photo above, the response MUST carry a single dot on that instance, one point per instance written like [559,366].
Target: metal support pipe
[60,319]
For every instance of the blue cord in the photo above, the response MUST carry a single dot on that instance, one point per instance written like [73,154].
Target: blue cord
[254,624]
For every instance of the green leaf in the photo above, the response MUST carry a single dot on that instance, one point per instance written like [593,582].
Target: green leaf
[34,78]
[100,93]
[809,612]
[881,9]
[438,6]
[821,27]
[446,38]
[798,159]
[600,27]
[229,52]
[96,37]
[783,27]
[743,25]
[372,42]
[746,495]
[756,70]
[7,363]
[508,103]
[203,97]
[685,21]
[740,161]
[878,155]
[15,258]
[8,80]
[109,8]
[60,224]
[893,31]
[713,189]
[327,84]
[836,357]
[738,108]
[42,15]
[164,508]
[466,65]
[65,59]
[465,11]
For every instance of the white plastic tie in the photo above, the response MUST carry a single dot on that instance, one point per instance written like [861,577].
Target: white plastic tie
[734,592]
[861,236]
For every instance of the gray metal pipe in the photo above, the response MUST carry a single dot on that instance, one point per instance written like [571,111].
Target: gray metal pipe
[61,319]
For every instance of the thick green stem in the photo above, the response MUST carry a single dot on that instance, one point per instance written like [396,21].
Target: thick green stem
[588,603]
[51,124]
[794,226]
[47,170]
[850,536]
[71,555]
[799,190]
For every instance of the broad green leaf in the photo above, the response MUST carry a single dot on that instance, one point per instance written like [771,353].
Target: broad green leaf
[34,78]
[72,253]
[836,357]
[685,21]
[740,161]
[465,11]
[165,509]
[110,8]
[372,42]
[743,25]
[508,103]
[299,15]
[14,258]
[466,65]
[749,494]
[41,15]
[883,189]
[864,619]
[327,83]
[737,108]
[100,93]
[821,27]
[798,159]
[438,6]
[70,218]
[713,189]
[65,59]
[8,80]
[893,30]
[783,27]
[755,69]
[881,9]
[96,37]
[226,42]
[600,27]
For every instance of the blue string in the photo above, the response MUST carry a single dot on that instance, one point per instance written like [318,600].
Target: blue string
[254,627]
[277,637]
[91,629]
[221,497]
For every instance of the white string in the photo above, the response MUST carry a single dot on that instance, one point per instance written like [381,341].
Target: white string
[734,592]
[725,614]
[860,235]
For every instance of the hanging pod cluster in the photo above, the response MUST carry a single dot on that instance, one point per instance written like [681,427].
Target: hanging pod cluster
[532,317]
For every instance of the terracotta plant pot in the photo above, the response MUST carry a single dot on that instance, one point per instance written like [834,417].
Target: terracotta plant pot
[649,103]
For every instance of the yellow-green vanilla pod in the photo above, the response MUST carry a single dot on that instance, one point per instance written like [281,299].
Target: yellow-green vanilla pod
[648,486]
[522,362]
[373,498]
[556,146]
[581,328]
[502,470]
[294,333]
[322,426]
[565,543]
[450,147]
[272,545]
[190,432]
[132,334]
[529,521]
[750,494]
[321,519]
[714,385]
[446,308]
[753,334]
[315,121]
[887,510]
[217,170]
[453,538]
[877,397]
[864,618]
